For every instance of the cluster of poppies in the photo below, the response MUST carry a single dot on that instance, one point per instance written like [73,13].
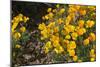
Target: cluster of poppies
[69,31]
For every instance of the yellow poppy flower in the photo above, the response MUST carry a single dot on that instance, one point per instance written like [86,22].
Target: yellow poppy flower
[53,38]
[56,43]
[86,42]
[42,26]
[90,24]
[14,27]
[66,31]
[92,59]
[92,37]
[46,17]
[62,11]
[56,29]
[25,19]
[50,15]
[54,10]
[71,28]
[57,5]
[77,7]
[48,44]
[82,12]
[44,33]
[81,23]
[75,58]
[74,35]
[49,10]
[51,24]
[23,29]
[71,52]
[60,21]
[71,45]
[20,15]
[92,53]
[67,37]
[72,9]
[17,35]
[18,46]
[81,31]
[58,49]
